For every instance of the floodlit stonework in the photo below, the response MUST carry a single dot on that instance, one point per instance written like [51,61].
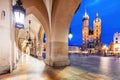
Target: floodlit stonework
[53,14]
[48,16]
[91,38]
[116,40]
[7,45]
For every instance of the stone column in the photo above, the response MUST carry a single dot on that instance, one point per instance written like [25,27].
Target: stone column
[57,45]
[59,54]
[57,50]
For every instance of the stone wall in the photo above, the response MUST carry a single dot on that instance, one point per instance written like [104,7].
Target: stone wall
[6,38]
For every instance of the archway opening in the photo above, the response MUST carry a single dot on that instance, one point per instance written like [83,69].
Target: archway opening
[33,31]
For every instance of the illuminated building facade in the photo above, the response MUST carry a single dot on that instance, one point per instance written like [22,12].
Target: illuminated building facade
[91,38]
[116,41]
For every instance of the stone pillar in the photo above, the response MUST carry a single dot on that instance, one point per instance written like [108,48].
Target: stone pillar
[57,45]
[59,54]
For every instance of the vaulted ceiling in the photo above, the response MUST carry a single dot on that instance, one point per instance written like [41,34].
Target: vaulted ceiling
[49,13]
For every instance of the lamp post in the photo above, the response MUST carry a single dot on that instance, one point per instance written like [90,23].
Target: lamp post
[70,34]
[105,49]
[29,38]
[19,14]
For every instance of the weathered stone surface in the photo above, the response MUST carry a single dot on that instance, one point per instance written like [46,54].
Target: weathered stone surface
[55,16]
[58,55]
[6,36]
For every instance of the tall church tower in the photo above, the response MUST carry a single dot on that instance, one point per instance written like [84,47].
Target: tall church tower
[97,30]
[85,30]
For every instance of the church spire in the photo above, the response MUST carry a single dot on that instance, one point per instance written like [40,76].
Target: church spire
[86,15]
[97,15]
[97,19]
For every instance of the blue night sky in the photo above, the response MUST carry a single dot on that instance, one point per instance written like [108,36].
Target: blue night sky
[109,12]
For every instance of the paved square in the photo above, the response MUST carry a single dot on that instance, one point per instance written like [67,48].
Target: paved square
[81,68]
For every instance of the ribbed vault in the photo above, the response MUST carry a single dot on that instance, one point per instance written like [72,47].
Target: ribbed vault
[55,17]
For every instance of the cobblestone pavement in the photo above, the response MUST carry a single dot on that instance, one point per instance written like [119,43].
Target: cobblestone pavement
[81,68]
[107,66]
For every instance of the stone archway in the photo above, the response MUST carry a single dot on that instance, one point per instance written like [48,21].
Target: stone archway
[55,16]
[34,30]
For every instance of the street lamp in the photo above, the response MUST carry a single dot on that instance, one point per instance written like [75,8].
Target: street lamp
[29,38]
[19,14]
[70,34]
[105,49]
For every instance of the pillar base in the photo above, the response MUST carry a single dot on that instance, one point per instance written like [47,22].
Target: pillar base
[57,54]
[57,63]
[4,69]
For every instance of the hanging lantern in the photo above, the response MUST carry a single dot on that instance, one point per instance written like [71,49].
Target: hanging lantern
[19,14]
[29,41]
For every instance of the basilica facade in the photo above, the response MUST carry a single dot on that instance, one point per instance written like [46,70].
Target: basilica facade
[91,38]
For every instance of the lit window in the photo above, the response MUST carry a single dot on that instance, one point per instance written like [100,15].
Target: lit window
[97,34]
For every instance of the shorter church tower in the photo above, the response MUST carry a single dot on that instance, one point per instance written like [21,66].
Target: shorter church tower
[97,30]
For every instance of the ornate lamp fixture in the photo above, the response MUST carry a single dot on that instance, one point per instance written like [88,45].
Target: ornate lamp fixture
[70,35]
[29,38]
[19,14]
